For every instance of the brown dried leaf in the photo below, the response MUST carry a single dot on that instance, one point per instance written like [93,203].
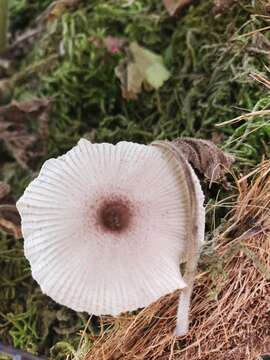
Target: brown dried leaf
[56,11]
[222,5]
[25,144]
[10,221]
[56,8]
[173,6]
[205,157]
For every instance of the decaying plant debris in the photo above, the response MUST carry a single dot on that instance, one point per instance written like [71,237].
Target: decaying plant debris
[174,6]
[205,157]
[56,8]
[15,129]
[230,312]
[9,217]
[222,5]
[140,67]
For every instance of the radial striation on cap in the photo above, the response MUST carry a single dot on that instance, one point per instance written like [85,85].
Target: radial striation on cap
[104,226]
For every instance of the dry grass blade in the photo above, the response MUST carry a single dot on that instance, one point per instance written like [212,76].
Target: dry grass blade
[244,117]
[230,313]
[261,80]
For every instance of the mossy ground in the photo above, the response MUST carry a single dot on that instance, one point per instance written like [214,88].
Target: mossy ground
[210,58]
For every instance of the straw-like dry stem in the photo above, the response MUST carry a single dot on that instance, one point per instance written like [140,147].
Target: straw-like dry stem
[3,25]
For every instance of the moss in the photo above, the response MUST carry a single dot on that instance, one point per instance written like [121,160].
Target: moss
[208,60]
[23,12]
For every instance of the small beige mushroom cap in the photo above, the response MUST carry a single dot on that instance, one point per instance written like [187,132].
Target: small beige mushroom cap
[104,226]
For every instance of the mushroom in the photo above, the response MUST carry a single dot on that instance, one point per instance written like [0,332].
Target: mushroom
[106,227]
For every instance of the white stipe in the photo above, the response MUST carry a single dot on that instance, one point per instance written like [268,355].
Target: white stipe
[182,320]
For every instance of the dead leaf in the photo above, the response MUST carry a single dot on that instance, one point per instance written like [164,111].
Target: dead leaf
[173,6]
[56,11]
[141,66]
[56,8]
[10,221]
[25,143]
[205,157]
[222,5]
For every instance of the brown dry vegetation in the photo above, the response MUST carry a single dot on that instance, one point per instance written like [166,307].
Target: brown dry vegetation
[230,316]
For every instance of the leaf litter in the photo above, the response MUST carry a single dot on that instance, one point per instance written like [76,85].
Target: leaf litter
[140,67]
[174,6]
[56,9]
[211,162]
[10,221]
[24,130]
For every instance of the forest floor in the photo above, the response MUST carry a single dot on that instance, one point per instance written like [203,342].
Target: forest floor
[60,68]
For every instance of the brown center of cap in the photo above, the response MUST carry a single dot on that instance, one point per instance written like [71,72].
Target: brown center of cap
[115,214]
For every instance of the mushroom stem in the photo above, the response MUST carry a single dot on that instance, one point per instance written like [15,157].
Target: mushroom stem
[182,322]
[193,237]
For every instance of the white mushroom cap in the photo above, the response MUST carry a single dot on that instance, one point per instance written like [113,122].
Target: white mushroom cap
[105,226]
